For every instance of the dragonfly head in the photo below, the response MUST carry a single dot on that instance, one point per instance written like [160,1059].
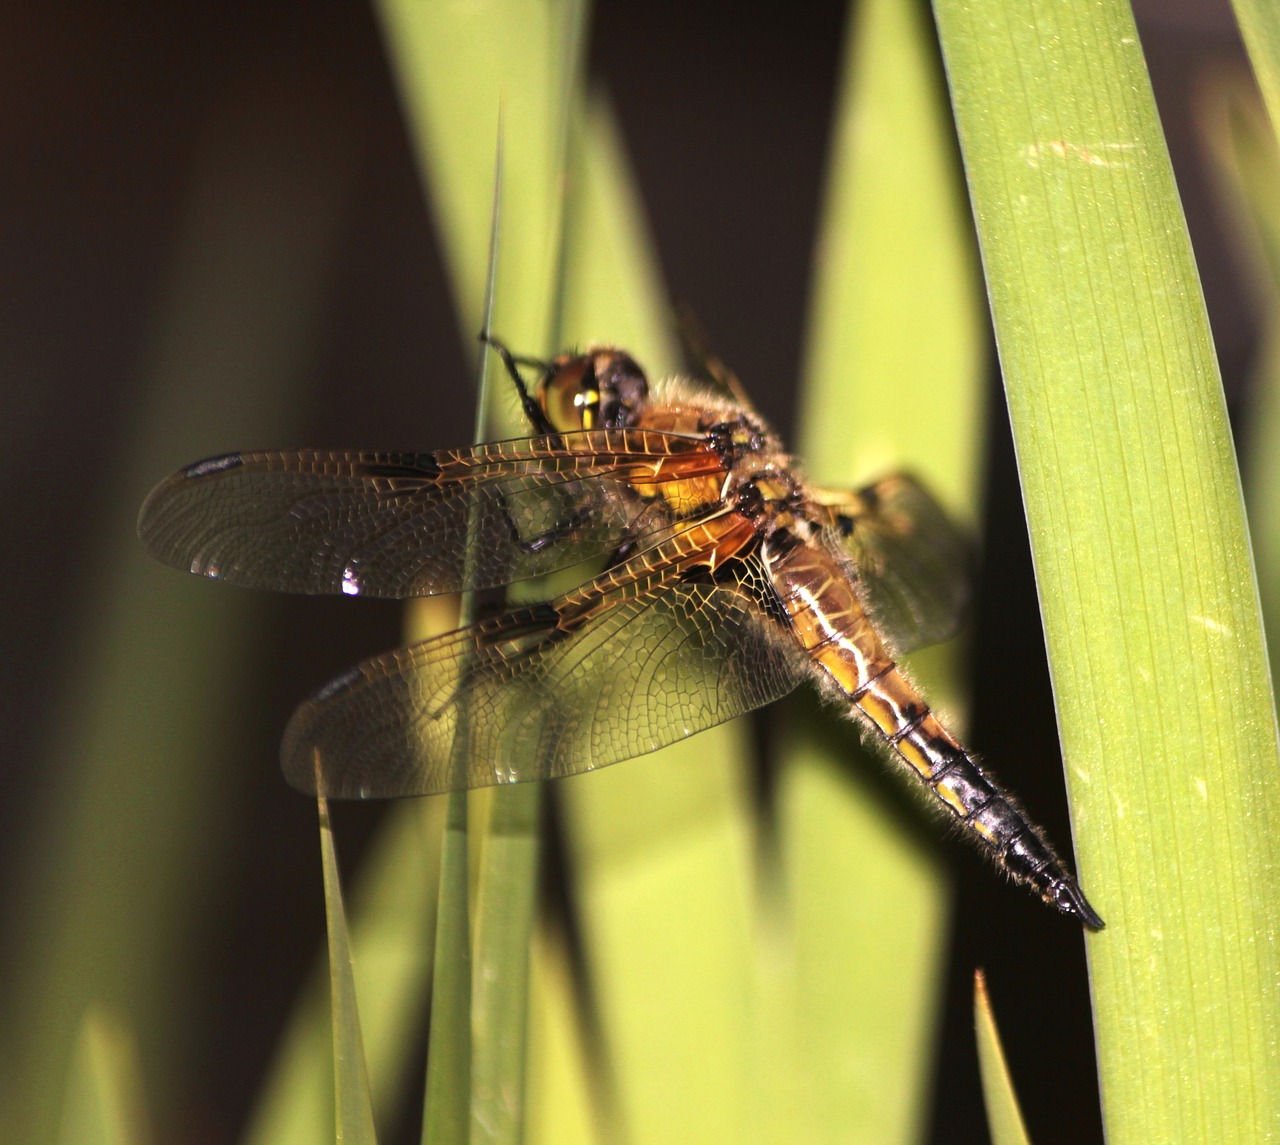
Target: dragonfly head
[601,389]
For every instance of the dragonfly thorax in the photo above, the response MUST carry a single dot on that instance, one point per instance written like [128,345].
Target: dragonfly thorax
[763,491]
[601,389]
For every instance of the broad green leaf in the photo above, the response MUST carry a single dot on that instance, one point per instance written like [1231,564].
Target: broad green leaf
[103,1101]
[662,845]
[564,1081]
[893,380]
[896,352]
[1142,560]
[1260,27]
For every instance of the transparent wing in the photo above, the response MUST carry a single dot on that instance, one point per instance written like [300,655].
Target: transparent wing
[617,668]
[914,563]
[415,524]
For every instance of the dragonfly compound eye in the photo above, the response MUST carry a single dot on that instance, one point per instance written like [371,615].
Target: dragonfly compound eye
[601,389]
[569,395]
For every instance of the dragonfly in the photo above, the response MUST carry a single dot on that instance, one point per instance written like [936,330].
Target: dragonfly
[723,579]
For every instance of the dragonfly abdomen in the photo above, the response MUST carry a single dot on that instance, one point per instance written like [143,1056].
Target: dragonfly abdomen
[828,621]
[978,804]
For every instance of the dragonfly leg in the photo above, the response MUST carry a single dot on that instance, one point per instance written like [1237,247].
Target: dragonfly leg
[537,418]
[560,531]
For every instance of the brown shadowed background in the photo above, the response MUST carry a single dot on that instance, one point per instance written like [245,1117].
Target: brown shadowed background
[115,117]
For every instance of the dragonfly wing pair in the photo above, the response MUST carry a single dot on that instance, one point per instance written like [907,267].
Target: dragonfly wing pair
[616,668]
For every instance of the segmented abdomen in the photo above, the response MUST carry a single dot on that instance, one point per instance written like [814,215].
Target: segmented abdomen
[829,622]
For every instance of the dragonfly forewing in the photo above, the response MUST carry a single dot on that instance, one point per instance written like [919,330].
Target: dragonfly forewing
[366,523]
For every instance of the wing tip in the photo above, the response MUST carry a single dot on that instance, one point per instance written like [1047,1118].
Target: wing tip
[153,516]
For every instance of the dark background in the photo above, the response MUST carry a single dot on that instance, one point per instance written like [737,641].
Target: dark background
[726,114]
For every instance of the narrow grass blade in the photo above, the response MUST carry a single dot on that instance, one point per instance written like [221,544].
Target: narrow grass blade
[446,1117]
[505,883]
[1142,560]
[892,380]
[392,931]
[447,1101]
[103,1104]
[353,1103]
[502,929]
[459,66]
[392,922]
[1003,1115]
[507,874]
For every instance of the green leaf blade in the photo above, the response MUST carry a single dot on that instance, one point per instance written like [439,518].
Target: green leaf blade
[103,1102]
[1260,28]
[663,845]
[893,379]
[503,928]
[468,72]
[1142,559]
[446,1116]
[392,923]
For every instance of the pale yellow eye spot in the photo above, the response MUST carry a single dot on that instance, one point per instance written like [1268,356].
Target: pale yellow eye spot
[587,404]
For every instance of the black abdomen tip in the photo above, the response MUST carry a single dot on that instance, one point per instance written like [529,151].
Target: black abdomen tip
[1069,898]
